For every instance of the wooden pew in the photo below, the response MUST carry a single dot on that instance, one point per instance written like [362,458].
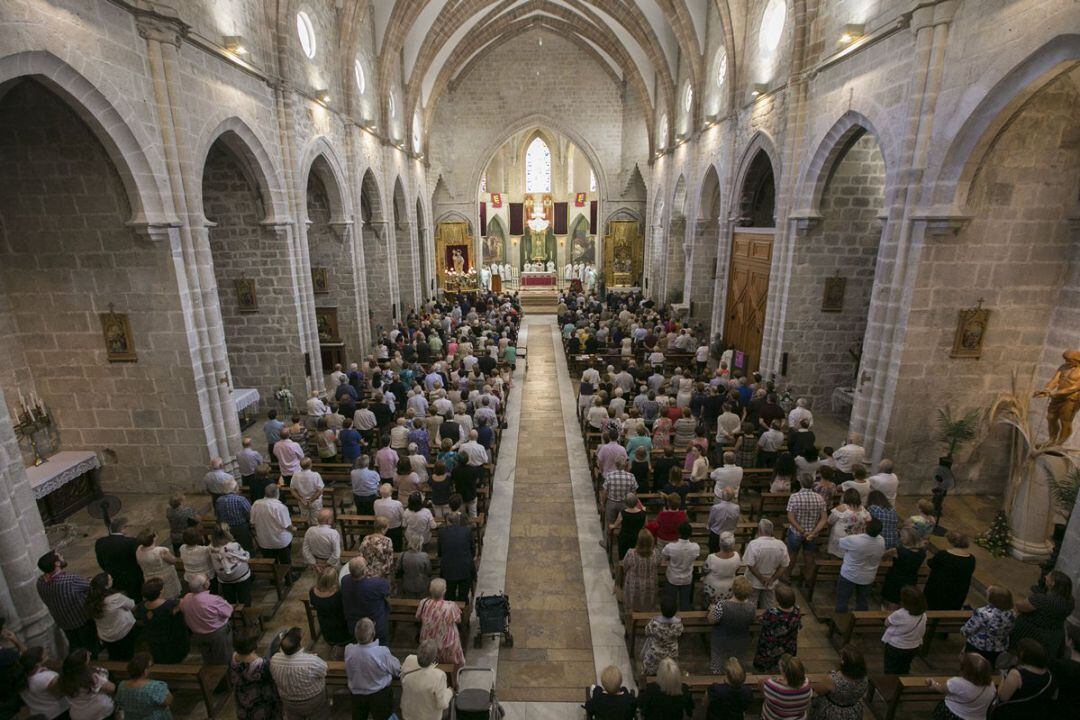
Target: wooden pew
[695,622]
[904,690]
[828,569]
[699,685]
[401,610]
[336,680]
[184,677]
[872,622]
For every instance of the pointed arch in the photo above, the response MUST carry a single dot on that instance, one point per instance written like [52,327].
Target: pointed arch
[401,208]
[709,199]
[150,202]
[974,134]
[846,130]
[758,167]
[242,141]
[332,175]
[760,142]
[495,227]
[538,158]
[371,209]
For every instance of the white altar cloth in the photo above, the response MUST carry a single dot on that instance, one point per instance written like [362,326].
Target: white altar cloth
[59,470]
[244,398]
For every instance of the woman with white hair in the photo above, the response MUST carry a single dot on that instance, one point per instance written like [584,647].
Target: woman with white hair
[439,619]
[720,569]
[667,697]
[415,567]
[378,550]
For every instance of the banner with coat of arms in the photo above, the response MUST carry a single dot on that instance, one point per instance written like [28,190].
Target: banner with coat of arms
[496,200]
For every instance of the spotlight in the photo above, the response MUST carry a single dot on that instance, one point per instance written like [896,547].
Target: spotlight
[235,44]
[322,95]
[759,89]
[851,33]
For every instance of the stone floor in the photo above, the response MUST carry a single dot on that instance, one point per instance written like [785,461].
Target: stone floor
[542,548]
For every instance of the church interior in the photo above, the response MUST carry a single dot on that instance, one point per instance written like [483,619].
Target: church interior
[715,358]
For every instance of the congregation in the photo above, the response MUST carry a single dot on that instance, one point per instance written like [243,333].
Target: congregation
[718,501]
[410,441]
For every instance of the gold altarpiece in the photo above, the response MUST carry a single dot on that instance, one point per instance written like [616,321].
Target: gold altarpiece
[624,254]
[451,237]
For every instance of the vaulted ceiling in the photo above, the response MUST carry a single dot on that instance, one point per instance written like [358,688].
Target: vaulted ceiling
[641,42]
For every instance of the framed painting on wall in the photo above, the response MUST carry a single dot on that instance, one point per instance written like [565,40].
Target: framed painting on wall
[970,332]
[833,298]
[246,299]
[326,320]
[119,341]
[320,280]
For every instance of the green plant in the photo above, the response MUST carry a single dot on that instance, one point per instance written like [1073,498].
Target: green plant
[955,431]
[996,538]
[1064,491]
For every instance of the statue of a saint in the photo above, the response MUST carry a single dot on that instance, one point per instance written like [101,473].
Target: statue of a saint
[459,262]
[1064,393]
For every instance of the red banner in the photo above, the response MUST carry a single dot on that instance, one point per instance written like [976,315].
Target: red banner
[579,200]
[496,200]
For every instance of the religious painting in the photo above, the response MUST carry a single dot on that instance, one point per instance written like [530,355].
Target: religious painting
[833,298]
[970,332]
[246,300]
[119,341]
[457,258]
[326,320]
[582,246]
[320,280]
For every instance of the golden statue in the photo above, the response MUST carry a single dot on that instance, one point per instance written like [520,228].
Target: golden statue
[1064,393]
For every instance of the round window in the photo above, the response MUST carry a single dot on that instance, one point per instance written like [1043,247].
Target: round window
[393,106]
[358,71]
[721,68]
[416,134]
[688,98]
[661,140]
[306,32]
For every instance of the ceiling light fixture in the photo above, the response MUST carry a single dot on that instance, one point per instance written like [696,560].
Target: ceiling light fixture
[759,89]
[322,95]
[852,32]
[235,44]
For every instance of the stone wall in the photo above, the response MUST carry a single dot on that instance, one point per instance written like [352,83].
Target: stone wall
[844,244]
[264,345]
[66,257]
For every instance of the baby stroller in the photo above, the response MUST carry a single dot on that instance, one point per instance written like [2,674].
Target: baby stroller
[475,699]
[493,612]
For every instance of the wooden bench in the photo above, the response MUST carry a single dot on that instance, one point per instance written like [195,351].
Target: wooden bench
[872,622]
[337,680]
[828,569]
[907,690]
[695,622]
[699,684]
[401,610]
[196,677]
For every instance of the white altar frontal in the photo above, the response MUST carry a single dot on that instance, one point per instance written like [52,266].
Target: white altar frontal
[64,483]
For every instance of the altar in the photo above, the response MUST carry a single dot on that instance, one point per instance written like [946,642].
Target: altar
[65,484]
[244,399]
[538,279]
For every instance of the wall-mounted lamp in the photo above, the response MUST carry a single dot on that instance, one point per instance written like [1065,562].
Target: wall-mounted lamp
[322,95]
[758,89]
[851,33]
[235,44]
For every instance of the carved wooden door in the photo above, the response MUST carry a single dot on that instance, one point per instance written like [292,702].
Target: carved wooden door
[748,291]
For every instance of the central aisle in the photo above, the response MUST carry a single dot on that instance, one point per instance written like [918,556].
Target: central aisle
[552,658]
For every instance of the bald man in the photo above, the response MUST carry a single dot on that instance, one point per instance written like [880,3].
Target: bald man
[322,543]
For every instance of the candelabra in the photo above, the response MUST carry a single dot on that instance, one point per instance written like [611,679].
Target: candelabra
[31,418]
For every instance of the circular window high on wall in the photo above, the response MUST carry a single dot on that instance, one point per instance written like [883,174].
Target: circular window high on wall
[661,133]
[721,67]
[358,71]
[772,25]
[688,98]
[392,106]
[416,134]
[306,32]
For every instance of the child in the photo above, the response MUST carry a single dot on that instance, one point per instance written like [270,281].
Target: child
[779,630]
[729,700]
[924,521]
[662,635]
[987,631]
[904,630]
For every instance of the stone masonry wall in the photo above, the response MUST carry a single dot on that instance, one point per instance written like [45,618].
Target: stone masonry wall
[263,345]
[844,243]
[67,256]
[329,251]
[1012,256]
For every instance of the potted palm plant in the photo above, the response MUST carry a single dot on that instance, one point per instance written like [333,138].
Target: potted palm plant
[952,432]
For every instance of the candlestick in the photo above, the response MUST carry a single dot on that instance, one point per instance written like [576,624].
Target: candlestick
[22,402]
[30,412]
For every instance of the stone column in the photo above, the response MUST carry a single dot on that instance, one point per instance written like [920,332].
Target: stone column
[1031,515]
[22,542]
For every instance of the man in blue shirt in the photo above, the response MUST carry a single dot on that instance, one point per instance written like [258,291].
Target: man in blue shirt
[272,431]
[365,486]
[370,669]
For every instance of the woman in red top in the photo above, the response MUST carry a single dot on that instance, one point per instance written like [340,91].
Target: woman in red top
[669,519]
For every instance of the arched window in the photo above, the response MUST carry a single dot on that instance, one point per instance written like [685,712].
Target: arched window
[538,167]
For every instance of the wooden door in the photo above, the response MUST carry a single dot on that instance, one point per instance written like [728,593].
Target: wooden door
[748,291]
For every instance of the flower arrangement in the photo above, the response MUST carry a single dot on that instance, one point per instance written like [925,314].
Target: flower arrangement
[284,396]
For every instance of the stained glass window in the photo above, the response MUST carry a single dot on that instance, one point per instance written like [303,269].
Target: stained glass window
[538,167]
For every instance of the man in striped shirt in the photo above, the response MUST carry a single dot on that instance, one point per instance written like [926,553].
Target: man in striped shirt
[617,485]
[300,678]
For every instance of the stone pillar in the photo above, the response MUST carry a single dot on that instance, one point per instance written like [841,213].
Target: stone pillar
[1031,514]
[22,542]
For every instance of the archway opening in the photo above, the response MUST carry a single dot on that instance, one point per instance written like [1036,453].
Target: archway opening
[90,312]
[536,187]
[702,267]
[676,259]
[333,279]
[258,308]
[376,241]
[757,201]
[406,261]
[833,275]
